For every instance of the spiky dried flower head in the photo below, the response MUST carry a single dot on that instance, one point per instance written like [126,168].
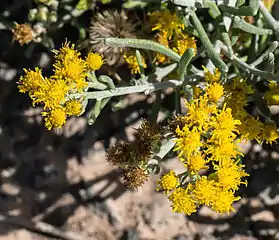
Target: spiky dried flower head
[148,132]
[111,24]
[22,33]
[119,154]
[134,177]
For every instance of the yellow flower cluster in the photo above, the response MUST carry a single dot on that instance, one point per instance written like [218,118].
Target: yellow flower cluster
[169,29]
[236,94]
[272,96]
[70,72]
[206,137]
[170,34]
[131,59]
[166,22]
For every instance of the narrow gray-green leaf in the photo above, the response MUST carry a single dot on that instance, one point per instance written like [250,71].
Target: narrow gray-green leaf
[142,44]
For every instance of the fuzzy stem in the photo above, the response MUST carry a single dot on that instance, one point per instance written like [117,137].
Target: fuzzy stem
[264,56]
[142,44]
[270,19]
[250,10]
[247,27]
[184,62]
[246,67]
[214,56]
[146,88]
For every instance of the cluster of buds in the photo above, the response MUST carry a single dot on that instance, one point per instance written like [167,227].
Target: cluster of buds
[45,11]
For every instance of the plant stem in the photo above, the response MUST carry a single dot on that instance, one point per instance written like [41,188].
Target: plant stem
[146,88]
[214,56]
[246,67]
[270,19]
[142,44]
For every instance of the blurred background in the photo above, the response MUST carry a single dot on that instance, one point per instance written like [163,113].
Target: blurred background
[58,185]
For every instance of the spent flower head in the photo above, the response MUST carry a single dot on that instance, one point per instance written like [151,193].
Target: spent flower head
[22,33]
[134,177]
[112,24]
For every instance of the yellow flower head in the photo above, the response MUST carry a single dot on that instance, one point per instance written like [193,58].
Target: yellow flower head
[229,174]
[223,201]
[215,91]
[22,33]
[250,128]
[67,51]
[166,22]
[162,38]
[183,42]
[200,112]
[195,163]
[219,151]
[55,118]
[225,125]
[168,182]
[182,201]
[238,86]
[70,68]
[212,77]
[73,71]
[196,92]
[73,107]
[269,133]
[51,94]
[31,81]
[188,142]
[94,61]
[204,191]
[272,96]
[132,62]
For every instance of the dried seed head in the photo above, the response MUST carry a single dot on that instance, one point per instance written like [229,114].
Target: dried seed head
[22,33]
[141,152]
[177,121]
[111,24]
[130,154]
[119,154]
[134,177]
[147,135]
[148,132]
